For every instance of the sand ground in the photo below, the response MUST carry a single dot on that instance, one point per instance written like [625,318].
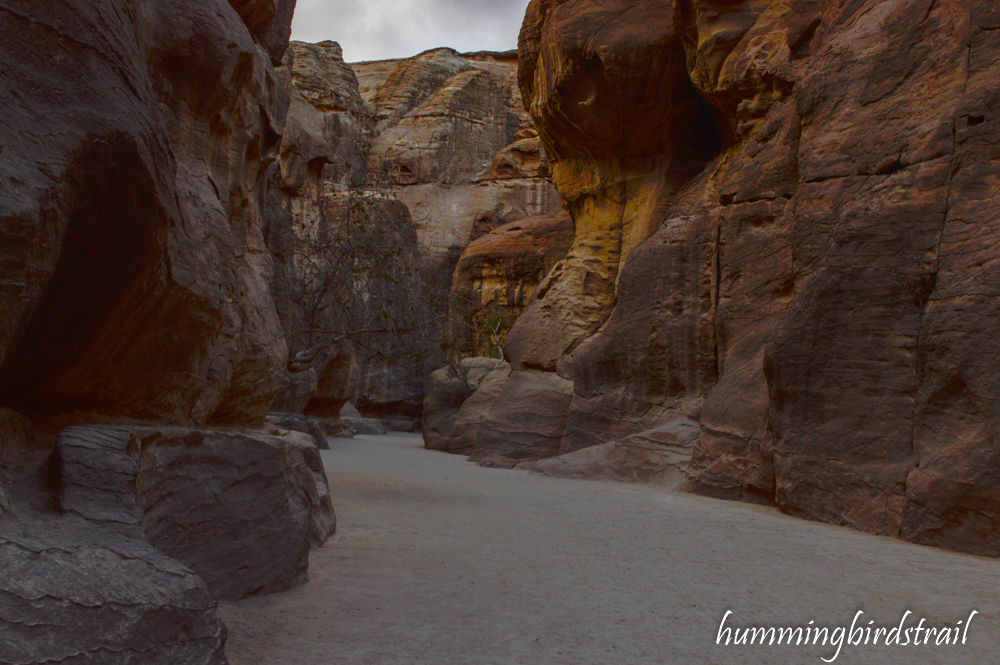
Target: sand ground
[437,561]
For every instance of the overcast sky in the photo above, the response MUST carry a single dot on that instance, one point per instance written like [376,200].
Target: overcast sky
[383,29]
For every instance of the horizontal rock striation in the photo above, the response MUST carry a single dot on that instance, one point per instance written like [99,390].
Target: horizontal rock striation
[108,597]
[784,213]
[496,276]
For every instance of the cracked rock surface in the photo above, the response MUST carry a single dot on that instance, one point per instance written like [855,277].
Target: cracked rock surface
[144,529]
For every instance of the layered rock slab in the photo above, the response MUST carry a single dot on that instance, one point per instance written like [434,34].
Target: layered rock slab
[240,509]
[447,390]
[73,591]
[146,529]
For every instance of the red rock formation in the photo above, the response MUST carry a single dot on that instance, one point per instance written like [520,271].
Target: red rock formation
[441,119]
[134,271]
[442,140]
[135,145]
[818,294]
[498,273]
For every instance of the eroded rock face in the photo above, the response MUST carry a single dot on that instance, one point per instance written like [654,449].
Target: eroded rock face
[145,528]
[442,120]
[135,145]
[135,276]
[240,509]
[449,388]
[816,295]
[496,276]
[442,141]
[111,598]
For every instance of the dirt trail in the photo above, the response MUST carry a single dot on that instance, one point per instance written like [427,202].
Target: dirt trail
[440,562]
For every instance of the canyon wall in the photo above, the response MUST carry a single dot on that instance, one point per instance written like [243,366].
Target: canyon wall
[406,161]
[781,282]
[136,141]
[134,271]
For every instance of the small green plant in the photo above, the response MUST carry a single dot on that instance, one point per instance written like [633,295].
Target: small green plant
[492,326]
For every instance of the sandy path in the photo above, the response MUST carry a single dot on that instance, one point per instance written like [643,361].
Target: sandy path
[439,562]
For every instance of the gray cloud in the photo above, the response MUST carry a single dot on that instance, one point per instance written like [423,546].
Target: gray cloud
[382,29]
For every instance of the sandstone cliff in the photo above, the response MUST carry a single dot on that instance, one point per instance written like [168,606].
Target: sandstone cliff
[135,275]
[496,276]
[437,147]
[135,146]
[783,218]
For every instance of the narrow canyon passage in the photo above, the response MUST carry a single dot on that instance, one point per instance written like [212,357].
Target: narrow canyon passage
[438,561]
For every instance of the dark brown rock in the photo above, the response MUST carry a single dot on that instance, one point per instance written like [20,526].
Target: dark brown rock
[790,244]
[135,278]
[447,389]
[438,144]
[526,420]
[109,598]
[659,456]
[296,423]
[475,411]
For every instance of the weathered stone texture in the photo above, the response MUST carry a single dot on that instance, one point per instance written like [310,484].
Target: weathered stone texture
[442,119]
[109,597]
[134,147]
[143,530]
[789,241]
[447,390]
[136,141]
[240,509]
[443,142]
[498,273]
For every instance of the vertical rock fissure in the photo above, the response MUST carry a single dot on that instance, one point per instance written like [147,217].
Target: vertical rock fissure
[716,296]
[940,239]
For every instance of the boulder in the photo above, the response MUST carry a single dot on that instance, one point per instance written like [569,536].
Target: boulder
[476,410]
[371,426]
[401,424]
[526,420]
[240,509]
[448,388]
[117,549]
[75,590]
[658,456]
[295,391]
[294,422]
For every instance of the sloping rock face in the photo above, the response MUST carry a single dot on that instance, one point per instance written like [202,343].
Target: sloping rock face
[787,242]
[443,141]
[241,510]
[448,389]
[134,272]
[496,276]
[109,598]
[442,119]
